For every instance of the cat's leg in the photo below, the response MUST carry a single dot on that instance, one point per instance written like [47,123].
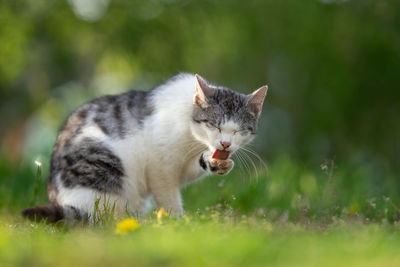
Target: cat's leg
[91,177]
[90,201]
[168,198]
[76,204]
[165,188]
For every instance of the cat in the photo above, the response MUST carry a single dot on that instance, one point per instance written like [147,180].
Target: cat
[122,149]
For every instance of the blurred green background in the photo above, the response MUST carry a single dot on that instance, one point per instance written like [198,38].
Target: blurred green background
[333,70]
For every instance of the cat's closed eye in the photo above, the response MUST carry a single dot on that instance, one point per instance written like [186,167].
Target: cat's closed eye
[201,121]
[208,124]
[212,126]
[245,131]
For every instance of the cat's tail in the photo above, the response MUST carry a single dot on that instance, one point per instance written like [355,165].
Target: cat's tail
[53,213]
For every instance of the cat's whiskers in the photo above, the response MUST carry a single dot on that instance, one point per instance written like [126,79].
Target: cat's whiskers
[195,153]
[239,164]
[246,164]
[243,162]
[249,159]
[249,150]
[194,148]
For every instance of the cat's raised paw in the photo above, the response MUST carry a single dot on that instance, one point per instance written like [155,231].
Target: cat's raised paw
[221,167]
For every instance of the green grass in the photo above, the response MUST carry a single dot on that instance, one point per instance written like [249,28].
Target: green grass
[204,240]
[291,215]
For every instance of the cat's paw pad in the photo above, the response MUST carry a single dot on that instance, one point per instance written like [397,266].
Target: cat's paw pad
[220,167]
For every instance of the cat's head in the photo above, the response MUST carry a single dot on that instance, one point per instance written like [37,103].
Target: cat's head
[224,119]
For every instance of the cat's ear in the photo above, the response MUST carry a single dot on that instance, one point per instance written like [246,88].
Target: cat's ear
[201,93]
[256,100]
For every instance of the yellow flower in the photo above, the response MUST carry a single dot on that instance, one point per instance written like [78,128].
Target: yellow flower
[127,225]
[160,214]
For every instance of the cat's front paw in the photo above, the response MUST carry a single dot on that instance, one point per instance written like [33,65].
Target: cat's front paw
[219,166]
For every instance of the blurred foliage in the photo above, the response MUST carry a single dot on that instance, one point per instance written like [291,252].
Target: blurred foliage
[332,68]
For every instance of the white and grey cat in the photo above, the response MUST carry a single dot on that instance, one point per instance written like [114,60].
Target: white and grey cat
[126,148]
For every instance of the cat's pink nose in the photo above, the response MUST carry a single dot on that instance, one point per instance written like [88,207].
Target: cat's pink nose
[225,145]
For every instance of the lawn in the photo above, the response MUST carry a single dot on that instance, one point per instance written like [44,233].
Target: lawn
[290,215]
[202,240]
